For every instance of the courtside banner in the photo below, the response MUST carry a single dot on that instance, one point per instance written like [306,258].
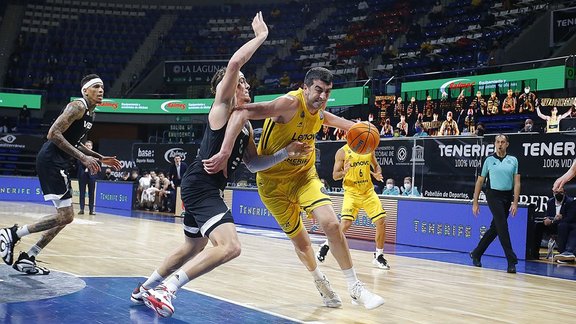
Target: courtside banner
[122,150]
[248,209]
[17,100]
[338,97]
[192,71]
[452,226]
[21,144]
[562,25]
[114,194]
[154,106]
[20,189]
[159,157]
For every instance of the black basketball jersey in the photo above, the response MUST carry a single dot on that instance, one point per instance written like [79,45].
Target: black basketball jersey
[74,134]
[211,144]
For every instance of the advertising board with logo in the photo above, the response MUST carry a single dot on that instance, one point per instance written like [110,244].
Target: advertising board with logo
[338,97]
[160,156]
[115,195]
[154,106]
[20,189]
[452,226]
[192,71]
[562,25]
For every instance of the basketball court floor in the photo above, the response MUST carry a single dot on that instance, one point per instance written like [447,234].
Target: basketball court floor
[98,260]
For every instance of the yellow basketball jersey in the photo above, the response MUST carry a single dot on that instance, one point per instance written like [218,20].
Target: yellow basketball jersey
[275,136]
[357,179]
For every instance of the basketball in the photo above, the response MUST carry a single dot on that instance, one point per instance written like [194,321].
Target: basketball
[363,138]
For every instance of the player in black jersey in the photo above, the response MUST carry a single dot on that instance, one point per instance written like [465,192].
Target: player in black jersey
[207,217]
[64,145]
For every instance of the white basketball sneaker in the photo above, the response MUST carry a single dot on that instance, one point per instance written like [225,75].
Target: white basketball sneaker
[329,297]
[138,295]
[361,296]
[160,300]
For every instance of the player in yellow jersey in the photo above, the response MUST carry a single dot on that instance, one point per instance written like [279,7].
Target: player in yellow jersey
[293,185]
[355,170]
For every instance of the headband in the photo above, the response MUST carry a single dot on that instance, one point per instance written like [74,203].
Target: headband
[91,83]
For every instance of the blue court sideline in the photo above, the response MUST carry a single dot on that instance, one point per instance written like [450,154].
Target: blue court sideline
[107,300]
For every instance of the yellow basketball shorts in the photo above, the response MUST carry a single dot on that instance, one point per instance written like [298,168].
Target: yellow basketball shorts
[369,201]
[286,197]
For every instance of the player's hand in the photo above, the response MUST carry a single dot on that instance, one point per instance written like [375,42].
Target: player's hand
[475,208]
[91,163]
[378,176]
[558,184]
[111,161]
[558,217]
[259,26]
[217,163]
[514,209]
[547,221]
[296,149]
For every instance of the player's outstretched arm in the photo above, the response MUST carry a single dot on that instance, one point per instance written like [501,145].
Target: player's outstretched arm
[569,175]
[338,122]
[282,107]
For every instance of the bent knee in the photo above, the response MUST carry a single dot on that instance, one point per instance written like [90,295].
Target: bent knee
[232,250]
[331,228]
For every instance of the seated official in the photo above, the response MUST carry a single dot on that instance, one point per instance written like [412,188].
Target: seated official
[391,189]
[566,237]
[408,189]
[555,208]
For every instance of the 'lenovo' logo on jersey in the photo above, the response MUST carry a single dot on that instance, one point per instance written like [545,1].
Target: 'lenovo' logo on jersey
[359,163]
[87,125]
[303,137]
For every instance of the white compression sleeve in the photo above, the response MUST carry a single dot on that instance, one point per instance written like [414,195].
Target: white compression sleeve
[263,162]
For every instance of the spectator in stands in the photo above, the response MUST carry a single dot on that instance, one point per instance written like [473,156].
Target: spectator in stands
[86,178]
[164,195]
[399,108]
[402,126]
[436,12]
[493,104]
[412,110]
[408,189]
[108,175]
[449,126]
[434,125]
[125,176]
[24,116]
[177,170]
[284,81]
[143,184]
[429,108]
[553,121]
[527,101]
[389,52]
[5,125]
[296,46]
[509,103]
[419,130]
[556,208]
[134,176]
[387,129]
[528,126]
[480,129]
[391,189]
[460,103]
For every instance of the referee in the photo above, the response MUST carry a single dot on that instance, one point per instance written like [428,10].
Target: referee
[502,193]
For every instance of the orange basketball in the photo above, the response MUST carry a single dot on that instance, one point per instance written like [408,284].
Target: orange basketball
[363,138]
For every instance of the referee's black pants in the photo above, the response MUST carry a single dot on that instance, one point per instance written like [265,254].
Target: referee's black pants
[499,203]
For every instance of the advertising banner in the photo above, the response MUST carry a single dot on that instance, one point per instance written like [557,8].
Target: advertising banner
[562,25]
[154,106]
[23,144]
[549,78]
[192,71]
[17,100]
[20,189]
[452,226]
[248,209]
[338,97]
[114,194]
[159,157]
[122,150]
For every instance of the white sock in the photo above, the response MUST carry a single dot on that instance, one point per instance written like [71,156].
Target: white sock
[34,250]
[153,280]
[22,231]
[317,274]
[351,278]
[178,279]
[379,251]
